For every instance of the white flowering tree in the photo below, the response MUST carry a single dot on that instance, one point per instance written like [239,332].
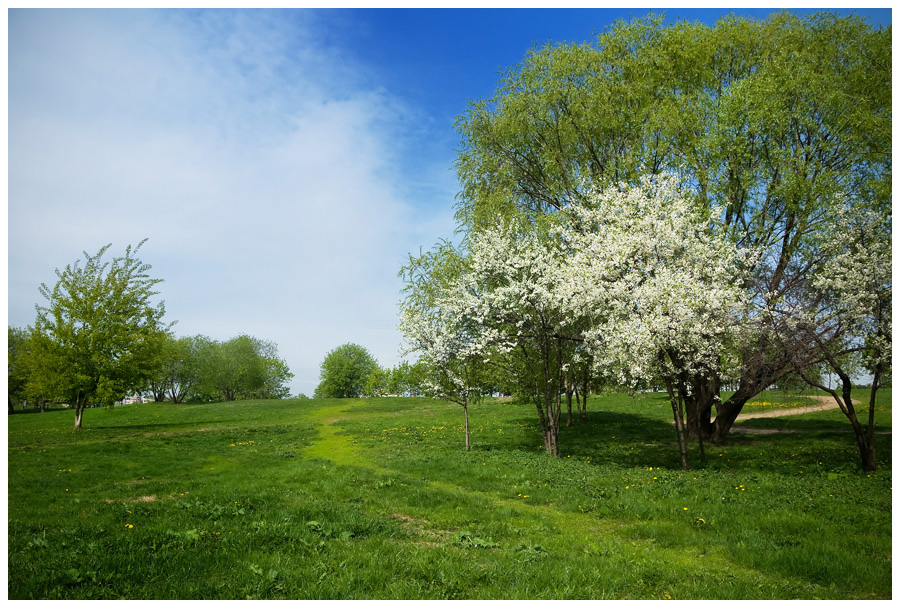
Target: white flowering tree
[664,295]
[850,324]
[516,291]
[636,283]
[435,328]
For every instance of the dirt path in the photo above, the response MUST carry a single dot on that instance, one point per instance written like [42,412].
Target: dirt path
[824,403]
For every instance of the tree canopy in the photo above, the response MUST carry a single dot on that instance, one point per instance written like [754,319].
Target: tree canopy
[100,333]
[767,130]
[345,371]
[772,123]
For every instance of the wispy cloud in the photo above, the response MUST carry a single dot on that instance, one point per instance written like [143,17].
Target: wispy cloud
[269,174]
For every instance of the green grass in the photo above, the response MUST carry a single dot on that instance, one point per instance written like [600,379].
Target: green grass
[377,499]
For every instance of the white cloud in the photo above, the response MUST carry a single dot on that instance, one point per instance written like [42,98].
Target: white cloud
[268,177]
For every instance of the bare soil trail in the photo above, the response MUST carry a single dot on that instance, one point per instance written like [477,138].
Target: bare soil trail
[824,403]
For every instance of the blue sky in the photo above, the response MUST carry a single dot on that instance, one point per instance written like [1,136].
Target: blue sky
[282,163]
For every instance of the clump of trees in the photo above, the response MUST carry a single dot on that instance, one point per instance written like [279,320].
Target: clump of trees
[101,337]
[351,371]
[674,204]
[196,368]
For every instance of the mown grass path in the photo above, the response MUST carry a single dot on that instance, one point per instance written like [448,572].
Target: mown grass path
[330,442]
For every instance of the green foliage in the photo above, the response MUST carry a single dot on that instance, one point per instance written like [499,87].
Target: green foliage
[99,335]
[789,111]
[244,367]
[17,375]
[345,371]
[180,367]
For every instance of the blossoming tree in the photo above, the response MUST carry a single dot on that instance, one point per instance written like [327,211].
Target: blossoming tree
[636,283]
[850,325]
[435,328]
[664,295]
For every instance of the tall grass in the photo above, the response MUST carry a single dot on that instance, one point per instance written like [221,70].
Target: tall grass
[340,499]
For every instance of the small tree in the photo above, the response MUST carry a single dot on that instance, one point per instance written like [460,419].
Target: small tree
[236,368]
[344,372]
[451,365]
[99,334]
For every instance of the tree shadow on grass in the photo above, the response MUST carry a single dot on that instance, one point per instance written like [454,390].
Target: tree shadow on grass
[630,440]
[623,439]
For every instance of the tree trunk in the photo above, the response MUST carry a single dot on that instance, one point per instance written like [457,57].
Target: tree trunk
[698,404]
[568,401]
[466,414]
[549,424]
[582,413]
[12,410]
[865,437]
[679,425]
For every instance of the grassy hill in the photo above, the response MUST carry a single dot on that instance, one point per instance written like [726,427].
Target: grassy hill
[377,499]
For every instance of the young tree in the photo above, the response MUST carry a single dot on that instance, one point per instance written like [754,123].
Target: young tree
[434,327]
[344,372]
[100,333]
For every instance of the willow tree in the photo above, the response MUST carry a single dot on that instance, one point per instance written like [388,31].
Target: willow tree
[770,121]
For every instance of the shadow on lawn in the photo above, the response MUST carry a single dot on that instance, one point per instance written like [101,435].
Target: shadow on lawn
[630,440]
[623,439]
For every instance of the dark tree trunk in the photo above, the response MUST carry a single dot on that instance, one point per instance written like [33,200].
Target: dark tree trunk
[679,424]
[582,412]
[865,436]
[568,401]
[698,404]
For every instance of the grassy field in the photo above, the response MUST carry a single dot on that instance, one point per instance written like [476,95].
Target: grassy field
[377,499]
